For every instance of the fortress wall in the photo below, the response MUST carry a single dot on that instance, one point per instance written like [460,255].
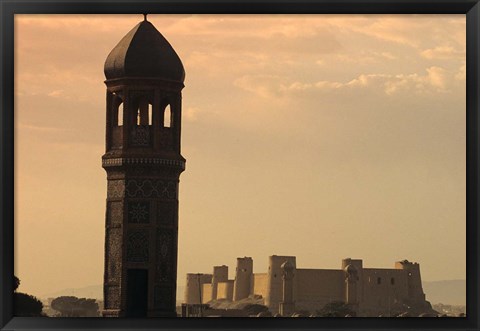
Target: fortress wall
[225,290]
[382,287]
[317,287]
[194,285]
[206,293]
[260,283]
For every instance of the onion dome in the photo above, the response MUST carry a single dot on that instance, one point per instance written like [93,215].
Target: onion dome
[144,53]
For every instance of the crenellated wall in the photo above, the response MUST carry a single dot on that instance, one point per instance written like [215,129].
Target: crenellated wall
[220,274]
[225,290]
[368,291]
[259,284]
[194,287]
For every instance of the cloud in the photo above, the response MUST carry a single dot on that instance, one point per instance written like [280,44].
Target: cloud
[462,73]
[40,128]
[443,52]
[434,79]
[437,77]
[388,55]
[387,28]
[266,86]
[191,113]
[55,93]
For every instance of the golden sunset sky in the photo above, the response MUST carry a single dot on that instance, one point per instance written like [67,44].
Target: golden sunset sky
[319,136]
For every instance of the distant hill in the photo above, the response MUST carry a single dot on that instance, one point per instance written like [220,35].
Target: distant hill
[94,292]
[452,292]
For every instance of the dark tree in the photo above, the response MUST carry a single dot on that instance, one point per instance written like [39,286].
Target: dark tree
[70,306]
[27,305]
[16,282]
[336,309]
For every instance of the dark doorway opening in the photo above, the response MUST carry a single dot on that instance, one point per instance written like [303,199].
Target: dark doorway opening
[137,292]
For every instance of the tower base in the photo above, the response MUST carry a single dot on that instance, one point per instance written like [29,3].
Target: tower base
[111,313]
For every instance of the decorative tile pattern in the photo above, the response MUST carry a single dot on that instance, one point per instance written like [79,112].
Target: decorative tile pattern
[112,297]
[115,189]
[113,254]
[165,246]
[147,188]
[140,135]
[138,212]
[115,213]
[137,246]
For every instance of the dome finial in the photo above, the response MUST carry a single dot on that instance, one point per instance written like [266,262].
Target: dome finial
[149,55]
[145,17]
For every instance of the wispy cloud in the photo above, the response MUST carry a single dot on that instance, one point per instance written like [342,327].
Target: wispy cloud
[443,52]
[434,79]
[55,93]
[37,128]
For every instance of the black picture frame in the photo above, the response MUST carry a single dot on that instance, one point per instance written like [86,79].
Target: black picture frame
[8,8]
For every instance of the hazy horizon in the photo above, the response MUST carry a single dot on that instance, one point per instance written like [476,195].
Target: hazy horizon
[319,136]
[446,292]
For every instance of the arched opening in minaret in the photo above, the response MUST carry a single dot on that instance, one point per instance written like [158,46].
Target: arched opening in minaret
[139,118]
[144,113]
[167,117]
[150,114]
[117,110]
[120,115]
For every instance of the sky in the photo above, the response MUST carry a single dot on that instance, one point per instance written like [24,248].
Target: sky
[318,136]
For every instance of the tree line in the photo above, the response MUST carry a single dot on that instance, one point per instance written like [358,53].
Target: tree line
[26,305]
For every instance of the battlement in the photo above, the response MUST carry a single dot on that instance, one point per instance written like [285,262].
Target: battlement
[371,291]
[357,263]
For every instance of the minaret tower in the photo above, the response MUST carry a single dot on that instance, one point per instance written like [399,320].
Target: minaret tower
[144,78]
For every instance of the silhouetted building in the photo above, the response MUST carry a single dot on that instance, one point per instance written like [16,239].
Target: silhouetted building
[286,289]
[144,78]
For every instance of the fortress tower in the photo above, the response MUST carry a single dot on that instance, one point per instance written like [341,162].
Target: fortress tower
[193,288]
[243,278]
[274,290]
[414,280]
[220,274]
[144,78]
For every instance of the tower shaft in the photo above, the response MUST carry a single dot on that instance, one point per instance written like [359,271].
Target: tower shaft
[143,165]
